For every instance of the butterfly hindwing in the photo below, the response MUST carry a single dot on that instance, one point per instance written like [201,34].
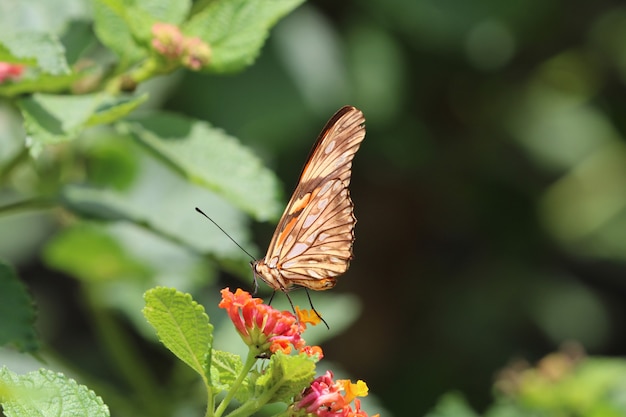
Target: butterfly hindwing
[312,244]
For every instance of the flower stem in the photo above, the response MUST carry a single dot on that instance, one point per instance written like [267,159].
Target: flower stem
[148,69]
[250,361]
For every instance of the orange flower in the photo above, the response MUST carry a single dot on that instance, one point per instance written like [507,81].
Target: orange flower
[307,316]
[312,351]
[353,390]
[260,325]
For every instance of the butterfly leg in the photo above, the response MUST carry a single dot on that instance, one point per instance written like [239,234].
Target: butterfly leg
[271,298]
[313,308]
[255,284]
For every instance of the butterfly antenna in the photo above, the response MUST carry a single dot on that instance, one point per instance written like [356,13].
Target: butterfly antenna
[224,231]
[313,308]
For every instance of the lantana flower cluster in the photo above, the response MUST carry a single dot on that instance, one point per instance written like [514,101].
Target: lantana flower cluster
[169,42]
[268,330]
[328,398]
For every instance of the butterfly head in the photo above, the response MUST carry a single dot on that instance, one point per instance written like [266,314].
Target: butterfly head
[271,276]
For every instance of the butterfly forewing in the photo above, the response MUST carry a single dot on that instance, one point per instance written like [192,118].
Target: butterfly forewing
[312,244]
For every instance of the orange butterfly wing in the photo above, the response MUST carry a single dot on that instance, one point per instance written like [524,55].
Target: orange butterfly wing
[312,244]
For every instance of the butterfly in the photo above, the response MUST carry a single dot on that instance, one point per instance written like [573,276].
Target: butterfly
[312,244]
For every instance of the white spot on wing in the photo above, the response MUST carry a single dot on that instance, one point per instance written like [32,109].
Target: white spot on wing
[297,249]
[313,273]
[322,204]
[309,220]
[339,161]
[329,147]
[273,262]
[325,189]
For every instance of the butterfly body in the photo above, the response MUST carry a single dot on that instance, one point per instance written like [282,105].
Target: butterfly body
[312,244]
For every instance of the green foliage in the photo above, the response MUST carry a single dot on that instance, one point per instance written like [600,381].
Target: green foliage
[225,367]
[88,253]
[125,28]
[558,386]
[54,118]
[182,326]
[17,312]
[119,220]
[237,29]
[285,376]
[205,155]
[42,50]
[46,393]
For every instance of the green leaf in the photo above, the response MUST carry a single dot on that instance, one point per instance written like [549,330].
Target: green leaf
[88,252]
[112,161]
[45,393]
[55,118]
[174,218]
[237,29]
[169,11]
[126,28]
[33,48]
[182,326]
[111,108]
[17,313]
[42,84]
[209,157]
[99,204]
[77,39]
[286,376]
[225,367]
[115,33]
[41,15]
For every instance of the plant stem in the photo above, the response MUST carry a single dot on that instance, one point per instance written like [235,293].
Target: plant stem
[12,163]
[126,358]
[248,408]
[148,69]
[250,361]
[31,204]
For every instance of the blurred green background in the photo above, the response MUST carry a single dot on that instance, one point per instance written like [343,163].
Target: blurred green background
[490,190]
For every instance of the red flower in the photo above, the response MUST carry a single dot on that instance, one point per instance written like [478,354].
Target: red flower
[323,398]
[260,325]
[10,71]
